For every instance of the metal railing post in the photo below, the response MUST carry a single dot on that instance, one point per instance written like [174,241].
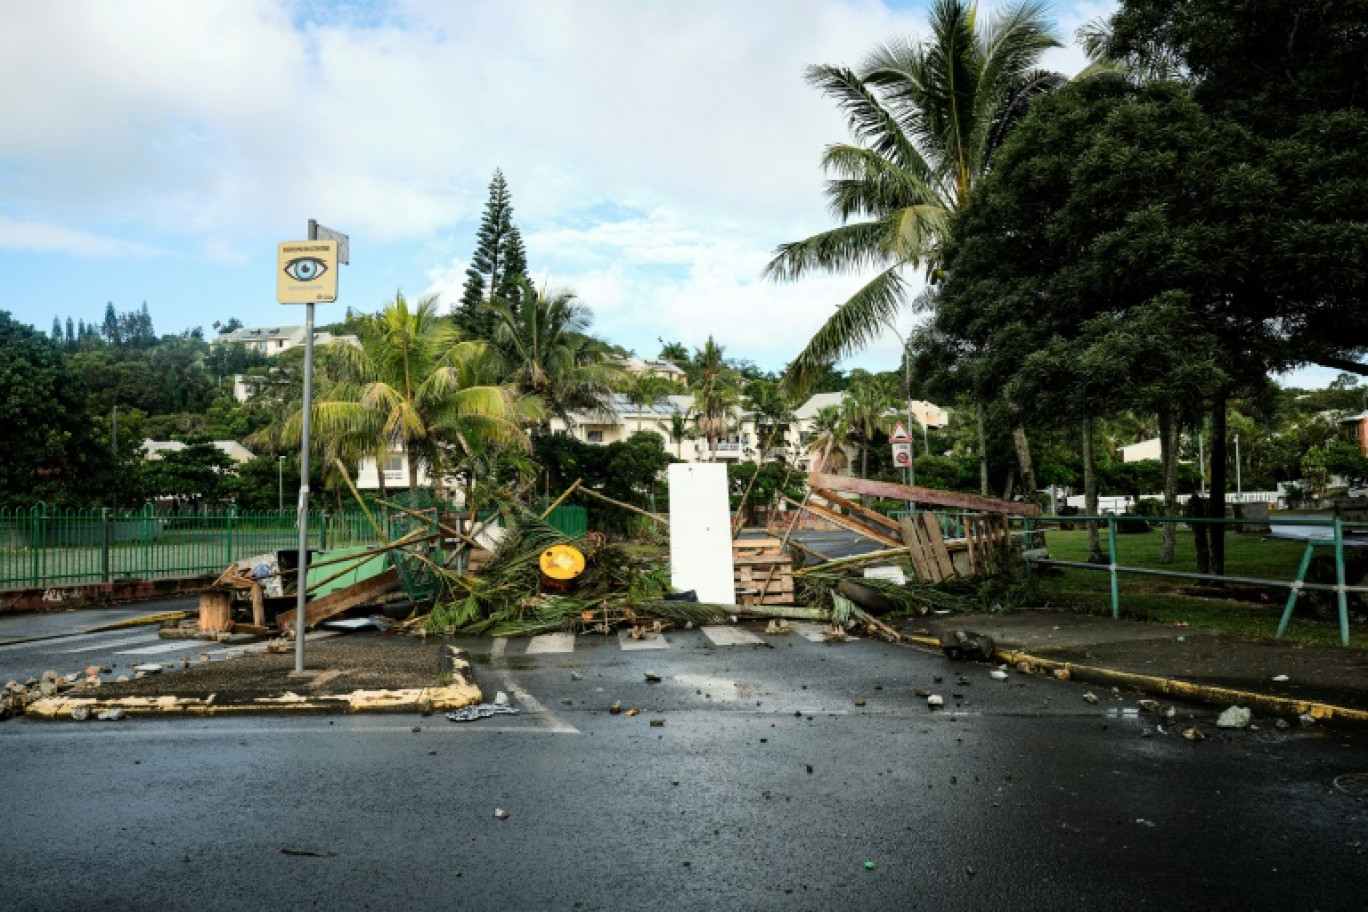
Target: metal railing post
[1296,589]
[1111,568]
[105,531]
[1341,596]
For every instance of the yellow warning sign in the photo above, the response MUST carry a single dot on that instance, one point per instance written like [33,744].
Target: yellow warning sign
[306,272]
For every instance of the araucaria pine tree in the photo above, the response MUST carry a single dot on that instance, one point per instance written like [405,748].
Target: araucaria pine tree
[497,266]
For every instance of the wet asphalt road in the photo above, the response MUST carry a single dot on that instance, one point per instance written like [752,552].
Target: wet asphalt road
[766,788]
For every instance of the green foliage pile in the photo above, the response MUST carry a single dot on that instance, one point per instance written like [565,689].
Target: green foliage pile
[504,599]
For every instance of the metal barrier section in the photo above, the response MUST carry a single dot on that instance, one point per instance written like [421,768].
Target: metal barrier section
[42,547]
[1332,533]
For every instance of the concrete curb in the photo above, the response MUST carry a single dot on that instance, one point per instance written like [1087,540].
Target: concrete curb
[460,691]
[1174,687]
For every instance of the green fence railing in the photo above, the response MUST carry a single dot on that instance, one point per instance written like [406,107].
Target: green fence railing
[42,546]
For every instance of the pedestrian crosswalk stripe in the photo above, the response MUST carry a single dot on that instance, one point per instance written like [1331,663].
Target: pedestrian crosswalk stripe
[650,641]
[109,644]
[808,631]
[551,643]
[730,636]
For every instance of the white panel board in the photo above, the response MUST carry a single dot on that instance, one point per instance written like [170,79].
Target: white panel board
[700,532]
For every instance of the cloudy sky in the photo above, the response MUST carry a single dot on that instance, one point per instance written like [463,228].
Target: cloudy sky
[657,151]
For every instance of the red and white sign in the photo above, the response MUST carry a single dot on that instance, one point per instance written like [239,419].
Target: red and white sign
[899,434]
[902,455]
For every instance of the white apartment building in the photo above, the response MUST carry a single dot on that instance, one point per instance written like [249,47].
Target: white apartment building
[272,340]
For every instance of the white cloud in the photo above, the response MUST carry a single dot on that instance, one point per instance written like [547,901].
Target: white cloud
[40,238]
[657,151]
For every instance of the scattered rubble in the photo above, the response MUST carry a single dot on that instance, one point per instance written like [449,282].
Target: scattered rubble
[1234,717]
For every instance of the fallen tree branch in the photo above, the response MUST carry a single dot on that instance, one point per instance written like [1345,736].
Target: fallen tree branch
[626,506]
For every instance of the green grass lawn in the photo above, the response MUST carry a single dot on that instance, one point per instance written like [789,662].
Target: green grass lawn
[1171,601]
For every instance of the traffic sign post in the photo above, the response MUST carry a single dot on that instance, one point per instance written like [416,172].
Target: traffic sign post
[902,455]
[306,273]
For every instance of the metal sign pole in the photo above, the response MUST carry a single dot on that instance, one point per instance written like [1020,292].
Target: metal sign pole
[302,586]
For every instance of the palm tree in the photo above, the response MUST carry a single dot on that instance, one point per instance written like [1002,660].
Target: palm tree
[715,394]
[926,118]
[645,390]
[831,434]
[867,404]
[772,409]
[679,429]
[410,383]
[546,351]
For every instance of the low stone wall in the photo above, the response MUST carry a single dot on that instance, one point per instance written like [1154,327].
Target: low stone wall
[63,598]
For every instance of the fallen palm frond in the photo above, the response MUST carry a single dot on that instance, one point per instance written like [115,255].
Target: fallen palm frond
[819,584]
[687,612]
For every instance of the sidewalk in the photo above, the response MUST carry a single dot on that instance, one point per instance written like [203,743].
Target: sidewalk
[1328,682]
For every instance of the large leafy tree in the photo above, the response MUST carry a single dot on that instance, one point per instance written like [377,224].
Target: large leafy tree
[412,383]
[498,266]
[927,118]
[1294,76]
[545,350]
[41,408]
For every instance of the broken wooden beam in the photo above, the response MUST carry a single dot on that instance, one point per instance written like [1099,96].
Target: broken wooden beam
[848,524]
[852,485]
[857,509]
[339,601]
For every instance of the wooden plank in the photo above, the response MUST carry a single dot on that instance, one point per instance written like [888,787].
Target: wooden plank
[848,525]
[760,560]
[853,485]
[755,545]
[215,610]
[916,554]
[258,606]
[858,509]
[936,544]
[341,600]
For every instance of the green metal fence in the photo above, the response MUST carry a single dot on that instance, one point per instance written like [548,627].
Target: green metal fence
[42,546]
[1329,535]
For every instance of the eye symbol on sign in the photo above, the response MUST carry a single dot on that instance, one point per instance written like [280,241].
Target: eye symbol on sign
[305,269]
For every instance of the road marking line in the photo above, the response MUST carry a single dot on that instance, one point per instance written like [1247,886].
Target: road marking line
[126,641]
[730,636]
[186,646]
[650,641]
[496,663]
[40,642]
[551,643]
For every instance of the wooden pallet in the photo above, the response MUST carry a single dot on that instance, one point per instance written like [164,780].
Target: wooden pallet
[770,573]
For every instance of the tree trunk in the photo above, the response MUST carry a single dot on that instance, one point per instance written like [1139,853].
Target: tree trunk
[413,476]
[982,447]
[1011,483]
[1168,452]
[1023,452]
[1090,494]
[864,460]
[1216,502]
